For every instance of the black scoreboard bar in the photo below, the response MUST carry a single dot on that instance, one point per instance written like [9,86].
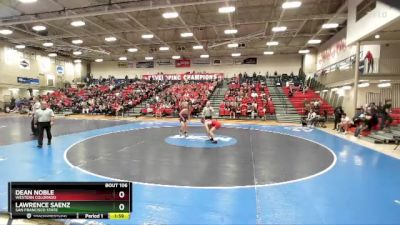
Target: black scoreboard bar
[70,200]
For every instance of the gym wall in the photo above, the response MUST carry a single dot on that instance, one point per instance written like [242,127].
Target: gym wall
[31,64]
[279,63]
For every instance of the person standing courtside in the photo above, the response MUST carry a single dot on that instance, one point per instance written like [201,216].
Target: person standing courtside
[35,106]
[44,119]
[338,116]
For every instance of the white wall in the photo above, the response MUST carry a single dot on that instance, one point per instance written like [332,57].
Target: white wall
[381,16]
[310,64]
[41,67]
[336,49]
[362,96]
[389,62]
[280,63]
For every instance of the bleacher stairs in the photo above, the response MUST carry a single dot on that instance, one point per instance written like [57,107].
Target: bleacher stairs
[285,112]
[135,112]
[392,137]
[217,97]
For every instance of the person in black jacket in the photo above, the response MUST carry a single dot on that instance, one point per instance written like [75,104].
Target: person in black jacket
[338,116]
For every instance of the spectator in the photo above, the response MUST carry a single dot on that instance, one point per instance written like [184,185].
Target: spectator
[370,61]
[338,116]
[311,119]
[344,124]
[385,113]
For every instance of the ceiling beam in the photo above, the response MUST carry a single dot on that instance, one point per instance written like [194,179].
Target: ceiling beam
[298,31]
[102,51]
[148,30]
[73,14]
[191,27]
[226,40]
[341,9]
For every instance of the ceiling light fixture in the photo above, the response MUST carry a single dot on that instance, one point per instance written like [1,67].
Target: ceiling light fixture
[110,39]
[27,1]
[148,58]
[314,41]
[187,34]
[377,36]
[48,44]
[147,36]
[123,58]
[170,15]
[6,32]
[176,57]
[164,48]
[230,31]
[205,56]
[98,60]
[39,28]
[384,85]
[304,51]
[78,23]
[52,54]
[268,53]
[330,25]
[20,46]
[197,47]
[77,61]
[233,45]
[77,53]
[363,85]
[77,42]
[132,49]
[291,4]
[236,54]
[227,9]
[272,43]
[279,29]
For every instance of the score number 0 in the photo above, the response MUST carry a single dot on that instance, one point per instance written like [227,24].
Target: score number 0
[121,195]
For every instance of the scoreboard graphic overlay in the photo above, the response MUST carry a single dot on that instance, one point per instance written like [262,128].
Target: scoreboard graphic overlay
[72,200]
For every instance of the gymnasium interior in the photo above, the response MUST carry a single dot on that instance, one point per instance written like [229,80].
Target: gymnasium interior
[199,112]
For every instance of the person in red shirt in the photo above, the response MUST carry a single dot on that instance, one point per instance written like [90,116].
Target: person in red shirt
[370,60]
[211,126]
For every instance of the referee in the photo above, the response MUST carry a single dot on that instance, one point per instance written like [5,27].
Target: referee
[44,119]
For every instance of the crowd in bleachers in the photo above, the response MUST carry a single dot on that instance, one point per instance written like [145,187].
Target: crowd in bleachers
[18,105]
[249,98]
[370,117]
[311,106]
[167,102]
[107,96]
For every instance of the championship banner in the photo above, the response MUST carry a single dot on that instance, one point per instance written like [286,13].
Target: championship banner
[26,80]
[146,64]
[180,63]
[252,60]
[180,77]
[201,61]
[164,62]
